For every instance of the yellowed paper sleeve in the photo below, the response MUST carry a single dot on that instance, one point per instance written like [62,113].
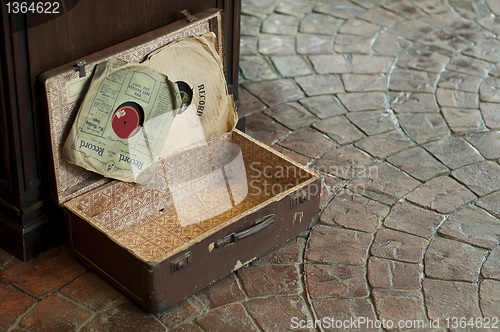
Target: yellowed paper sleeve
[123,121]
[195,64]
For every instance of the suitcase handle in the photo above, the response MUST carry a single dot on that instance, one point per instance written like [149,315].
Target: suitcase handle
[260,224]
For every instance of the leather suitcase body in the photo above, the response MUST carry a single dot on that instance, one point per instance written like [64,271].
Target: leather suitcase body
[154,260]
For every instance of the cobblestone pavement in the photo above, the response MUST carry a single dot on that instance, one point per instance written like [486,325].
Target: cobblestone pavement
[397,104]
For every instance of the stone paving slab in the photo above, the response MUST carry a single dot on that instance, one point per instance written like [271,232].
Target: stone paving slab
[396,103]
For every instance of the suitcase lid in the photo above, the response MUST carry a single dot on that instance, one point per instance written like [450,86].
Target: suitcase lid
[64,89]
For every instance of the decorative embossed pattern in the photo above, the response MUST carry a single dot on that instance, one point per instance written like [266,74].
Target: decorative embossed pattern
[145,221]
[63,113]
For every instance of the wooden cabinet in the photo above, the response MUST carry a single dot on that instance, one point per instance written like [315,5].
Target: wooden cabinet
[33,43]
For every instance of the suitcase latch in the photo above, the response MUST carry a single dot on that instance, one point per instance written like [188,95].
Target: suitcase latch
[188,15]
[298,199]
[180,262]
[81,68]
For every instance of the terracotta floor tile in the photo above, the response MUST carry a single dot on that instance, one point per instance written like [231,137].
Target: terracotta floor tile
[453,260]
[292,115]
[339,129]
[323,106]
[486,144]
[187,328]
[37,277]
[342,309]
[354,212]
[182,312]
[124,317]
[392,304]
[358,27]
[451,299]
[340,9]
[490,203]
[423,127]
[330,63]
[421,58]
[255,68]
[292,65]
[276,313]
[292,154]
[344,162]
[93,292]
[13,303]
[297,9]
[372,122]
[472,225]
[399,246]
[270,280]
[418,163]
[264,128]
[308,141]
[334,245]
[280,24]
[326,281]
[442,194]
[490,297]
[320,24]
[383,182]
[413,219]
[55,314]
[229,318]
[386,273]
[4,257]
[482,178]
[275,92]
[491,268]
[404,9]
[288,253]
[463,152]
[386,144]
[221,293]
[248,103]
[413,102]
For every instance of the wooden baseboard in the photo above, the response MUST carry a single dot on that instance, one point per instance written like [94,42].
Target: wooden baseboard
[27,242]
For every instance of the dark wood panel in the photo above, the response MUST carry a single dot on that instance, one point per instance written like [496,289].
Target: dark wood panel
[93,25]
[22,188]
[232,10]
[26,242]
[6,163]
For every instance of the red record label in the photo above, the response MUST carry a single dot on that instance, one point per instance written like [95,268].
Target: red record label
[126,121]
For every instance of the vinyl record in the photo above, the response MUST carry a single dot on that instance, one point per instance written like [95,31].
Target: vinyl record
[186,95]
[127,120]
[194,64]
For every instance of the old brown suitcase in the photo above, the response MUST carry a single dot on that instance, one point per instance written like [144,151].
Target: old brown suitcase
[154,260]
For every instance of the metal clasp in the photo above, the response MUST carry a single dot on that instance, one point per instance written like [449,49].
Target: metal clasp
[81,67]
[188,15]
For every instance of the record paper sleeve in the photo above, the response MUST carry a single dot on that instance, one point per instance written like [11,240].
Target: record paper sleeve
[194,63]
[123,121]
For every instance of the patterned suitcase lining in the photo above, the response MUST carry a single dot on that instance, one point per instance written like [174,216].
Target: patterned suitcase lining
[156,235]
